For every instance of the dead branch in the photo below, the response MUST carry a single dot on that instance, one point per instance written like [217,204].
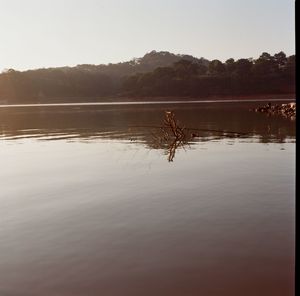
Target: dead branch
[171,123]
[172,135]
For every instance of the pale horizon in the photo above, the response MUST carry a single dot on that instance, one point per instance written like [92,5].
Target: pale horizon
[45,34]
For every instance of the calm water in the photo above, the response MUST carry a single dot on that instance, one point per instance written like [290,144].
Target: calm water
[90,204]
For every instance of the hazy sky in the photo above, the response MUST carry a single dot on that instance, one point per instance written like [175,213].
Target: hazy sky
[45,33]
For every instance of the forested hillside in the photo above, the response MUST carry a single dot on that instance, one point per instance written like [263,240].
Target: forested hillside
[265,75]
[155,74]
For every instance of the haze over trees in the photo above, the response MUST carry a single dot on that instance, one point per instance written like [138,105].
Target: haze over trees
[265,75]
[155,74]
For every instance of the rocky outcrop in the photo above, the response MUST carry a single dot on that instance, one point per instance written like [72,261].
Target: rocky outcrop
[285,110]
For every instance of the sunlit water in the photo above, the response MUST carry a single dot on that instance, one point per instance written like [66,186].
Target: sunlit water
[90,204]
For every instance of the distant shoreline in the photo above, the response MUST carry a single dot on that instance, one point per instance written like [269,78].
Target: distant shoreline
[117,99]
[265,97]
[158,100]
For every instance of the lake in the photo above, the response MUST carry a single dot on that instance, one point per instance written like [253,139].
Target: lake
[92,203]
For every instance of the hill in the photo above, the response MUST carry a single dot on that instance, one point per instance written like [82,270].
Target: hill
[156,74]
[81,81]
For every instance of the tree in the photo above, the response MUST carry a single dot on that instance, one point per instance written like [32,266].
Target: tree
[266,56]
[280,59]
[243,67]
[202,69]
[290,67]
[230,65]
[185,69]
[264,65]
[216,67]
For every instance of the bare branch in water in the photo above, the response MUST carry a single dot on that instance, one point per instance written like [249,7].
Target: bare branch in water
[171,123]
[172,135]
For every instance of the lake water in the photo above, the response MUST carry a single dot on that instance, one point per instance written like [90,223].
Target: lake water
[91,205]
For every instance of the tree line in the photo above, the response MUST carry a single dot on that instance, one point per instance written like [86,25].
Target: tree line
[266,75]
[155,74]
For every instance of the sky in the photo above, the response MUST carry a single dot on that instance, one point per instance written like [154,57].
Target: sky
[51,33]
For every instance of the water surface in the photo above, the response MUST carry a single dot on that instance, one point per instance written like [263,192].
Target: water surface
[90,204]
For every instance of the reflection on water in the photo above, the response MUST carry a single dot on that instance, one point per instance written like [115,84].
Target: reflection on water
[140,123]
[89,204]
[133,122]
